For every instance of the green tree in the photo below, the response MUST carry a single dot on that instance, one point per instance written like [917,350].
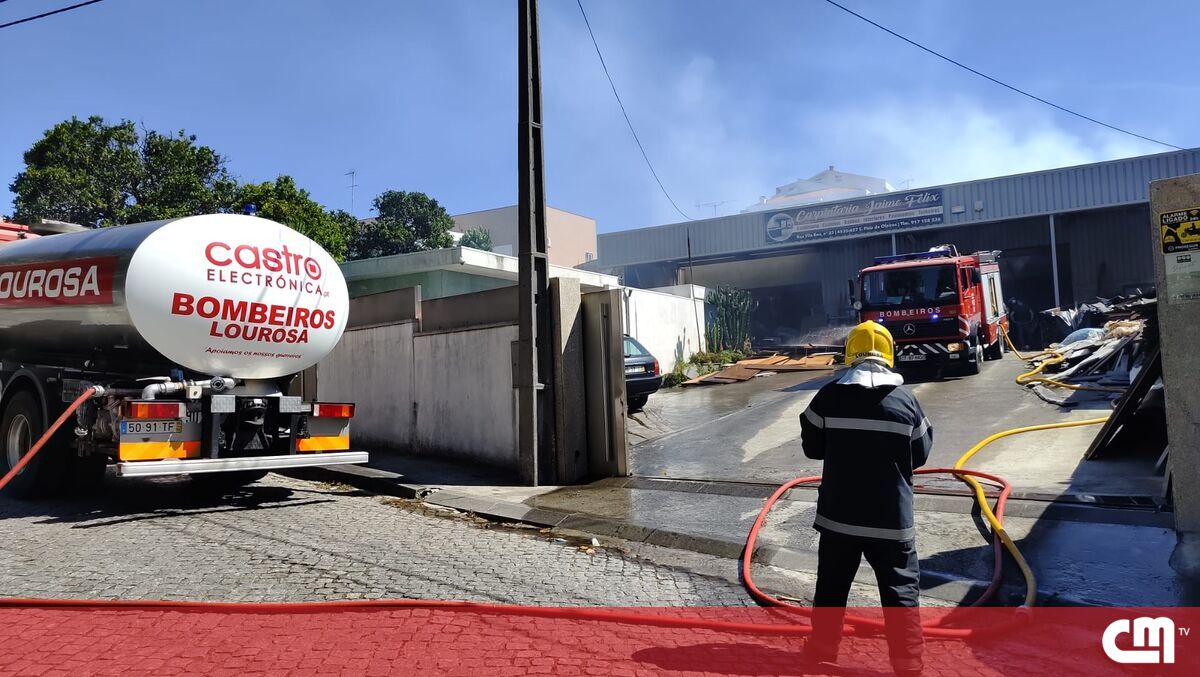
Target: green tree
[281,200]
[407,222]
[477,238]
[91,172]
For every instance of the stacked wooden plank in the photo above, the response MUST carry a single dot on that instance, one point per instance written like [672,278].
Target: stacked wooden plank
[744,370]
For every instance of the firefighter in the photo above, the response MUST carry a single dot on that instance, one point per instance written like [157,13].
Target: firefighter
[1021,319]
[871,434]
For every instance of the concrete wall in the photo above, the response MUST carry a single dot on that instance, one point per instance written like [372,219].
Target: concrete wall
[441,384]
[1179,328]
[444,394]
[385,308]
[571,238]
[495,306]
[434,284]
[373,368]
[671,326]
[466,406]
[570,381]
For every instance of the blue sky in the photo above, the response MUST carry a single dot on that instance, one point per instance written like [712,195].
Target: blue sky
[730,98]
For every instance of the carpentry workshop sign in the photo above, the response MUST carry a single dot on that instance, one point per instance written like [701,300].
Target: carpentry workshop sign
[865,216]
[1180,232]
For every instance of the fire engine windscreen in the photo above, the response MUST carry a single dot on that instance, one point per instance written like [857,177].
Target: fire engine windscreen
[917,285]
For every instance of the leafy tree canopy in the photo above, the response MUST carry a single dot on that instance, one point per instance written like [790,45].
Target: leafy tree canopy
[91,172]
[477,238]
[283,201]
[407,222]
[100,174]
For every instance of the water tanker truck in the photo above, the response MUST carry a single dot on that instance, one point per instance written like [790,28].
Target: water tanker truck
[189,331]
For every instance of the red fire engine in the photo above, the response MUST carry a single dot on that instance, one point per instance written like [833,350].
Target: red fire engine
[942,308]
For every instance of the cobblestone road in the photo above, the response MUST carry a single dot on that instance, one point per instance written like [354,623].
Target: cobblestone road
[288,540]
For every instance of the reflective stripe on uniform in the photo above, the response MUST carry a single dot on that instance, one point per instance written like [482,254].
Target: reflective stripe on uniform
[868,424]
[813,418]
[866,532]
[920,430]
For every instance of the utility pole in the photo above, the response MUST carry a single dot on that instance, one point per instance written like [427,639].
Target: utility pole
[535,368]
[352,174]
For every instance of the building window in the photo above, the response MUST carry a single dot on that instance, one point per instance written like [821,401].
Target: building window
[588,256]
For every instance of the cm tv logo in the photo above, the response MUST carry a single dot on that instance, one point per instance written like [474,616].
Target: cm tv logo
[1153,640]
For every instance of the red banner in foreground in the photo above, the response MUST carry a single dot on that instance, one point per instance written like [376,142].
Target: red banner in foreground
[577,641]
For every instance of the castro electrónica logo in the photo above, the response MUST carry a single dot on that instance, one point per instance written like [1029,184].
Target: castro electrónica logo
[1153,640]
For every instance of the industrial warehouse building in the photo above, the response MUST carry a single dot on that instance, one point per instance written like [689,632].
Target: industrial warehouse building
[1066,236]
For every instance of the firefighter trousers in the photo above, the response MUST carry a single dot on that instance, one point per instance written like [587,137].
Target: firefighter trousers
[896,571]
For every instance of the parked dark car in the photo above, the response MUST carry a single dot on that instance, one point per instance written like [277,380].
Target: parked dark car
[642,374]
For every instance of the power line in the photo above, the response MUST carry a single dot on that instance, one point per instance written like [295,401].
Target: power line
[627,121]
[46,14]
[998,82]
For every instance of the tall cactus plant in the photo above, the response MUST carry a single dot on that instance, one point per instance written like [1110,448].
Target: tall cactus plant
[729,319]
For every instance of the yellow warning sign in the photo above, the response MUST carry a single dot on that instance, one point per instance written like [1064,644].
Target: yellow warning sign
[1180,230]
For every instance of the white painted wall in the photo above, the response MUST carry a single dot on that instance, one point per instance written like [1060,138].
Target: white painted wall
[447,394]
[669,322]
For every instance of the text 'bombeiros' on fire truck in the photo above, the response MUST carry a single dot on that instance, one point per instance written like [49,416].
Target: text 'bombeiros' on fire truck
[191,331]
[944,309]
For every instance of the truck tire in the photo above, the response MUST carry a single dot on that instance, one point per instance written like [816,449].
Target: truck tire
[995,351]
[222,482]
[20,427]
[971,368]
[84,474]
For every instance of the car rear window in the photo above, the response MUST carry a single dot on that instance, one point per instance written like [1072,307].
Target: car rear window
[633,348]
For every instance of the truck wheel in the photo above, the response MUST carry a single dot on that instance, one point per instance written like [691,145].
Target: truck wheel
[20,427]
[222,482]
[972,368]
[996,350]
[84,474]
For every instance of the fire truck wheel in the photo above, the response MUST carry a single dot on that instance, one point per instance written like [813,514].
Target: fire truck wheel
[222,482]
[20,427]
[996,350]
[972,367]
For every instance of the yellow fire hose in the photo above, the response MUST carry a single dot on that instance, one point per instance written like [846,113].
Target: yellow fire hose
[981,498]
[1053,357]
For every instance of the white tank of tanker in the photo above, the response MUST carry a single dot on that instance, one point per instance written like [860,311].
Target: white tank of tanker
[219,295]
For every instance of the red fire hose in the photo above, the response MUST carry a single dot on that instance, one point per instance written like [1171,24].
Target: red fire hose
[933,630]
[37,446]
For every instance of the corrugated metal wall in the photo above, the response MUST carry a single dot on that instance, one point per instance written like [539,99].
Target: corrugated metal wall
[1109,250]
[1055,191]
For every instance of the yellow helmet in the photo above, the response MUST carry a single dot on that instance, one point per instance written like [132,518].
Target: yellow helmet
[870,341]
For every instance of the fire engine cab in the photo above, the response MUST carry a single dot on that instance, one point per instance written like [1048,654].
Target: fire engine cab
[944,309]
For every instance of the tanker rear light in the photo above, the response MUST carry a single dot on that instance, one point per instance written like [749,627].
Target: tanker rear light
[328,410]
[154,410]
